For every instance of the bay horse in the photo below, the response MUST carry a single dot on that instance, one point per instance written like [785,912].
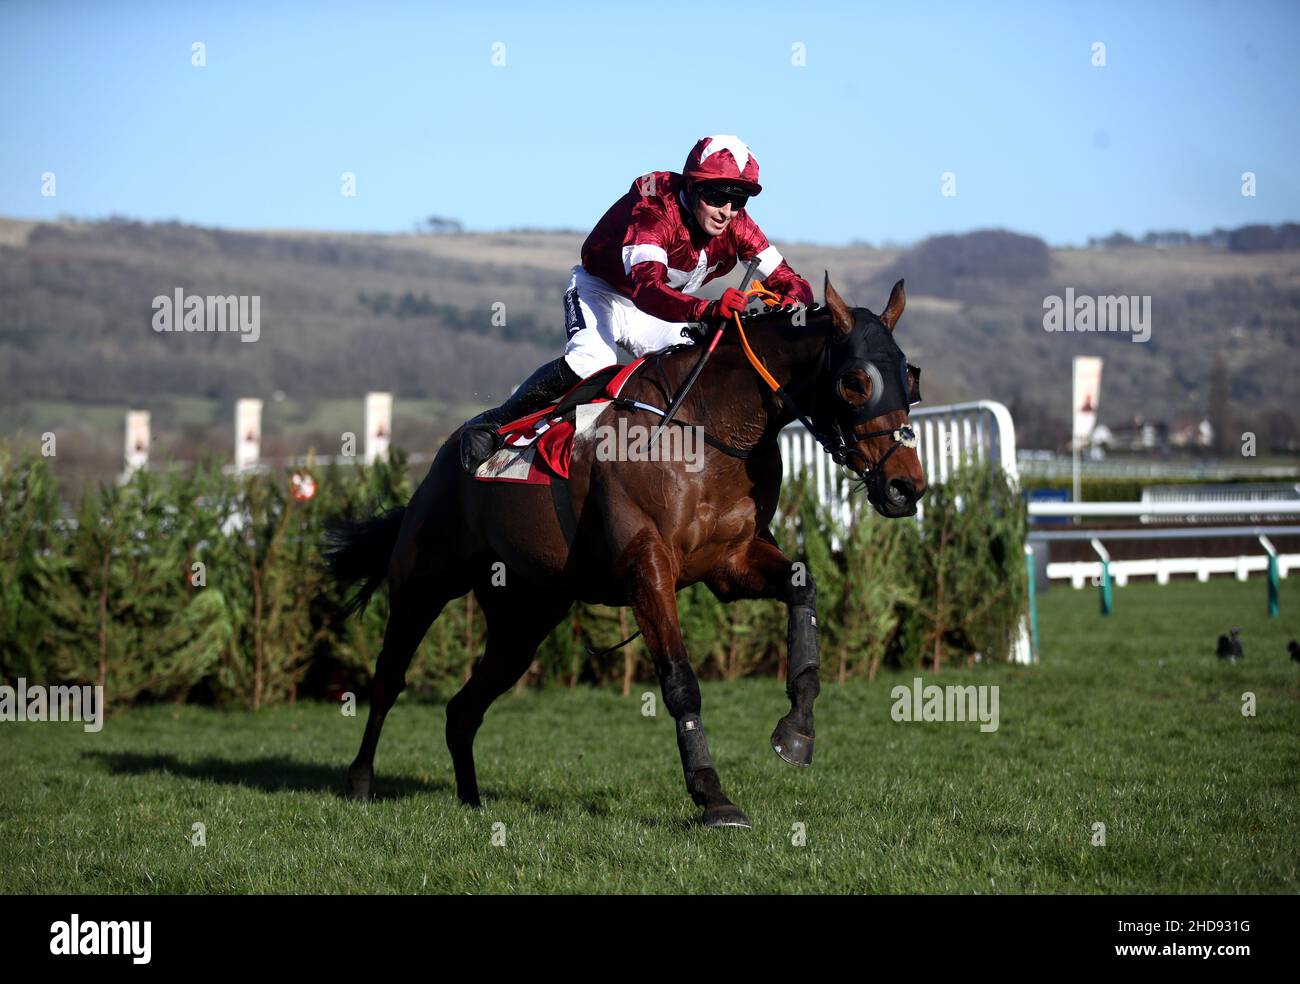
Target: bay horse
[641,530]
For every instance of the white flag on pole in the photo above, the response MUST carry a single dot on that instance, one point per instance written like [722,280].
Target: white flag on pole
[1087,390]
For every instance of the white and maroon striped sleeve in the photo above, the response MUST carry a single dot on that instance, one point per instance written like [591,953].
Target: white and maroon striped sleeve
[645,261]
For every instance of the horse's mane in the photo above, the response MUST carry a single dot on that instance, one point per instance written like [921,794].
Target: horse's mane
[815,316]
[761,318]
[758,320]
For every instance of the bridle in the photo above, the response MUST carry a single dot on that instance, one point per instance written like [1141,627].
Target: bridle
[839,445]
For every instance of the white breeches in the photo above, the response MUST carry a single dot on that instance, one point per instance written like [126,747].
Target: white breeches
[600,320]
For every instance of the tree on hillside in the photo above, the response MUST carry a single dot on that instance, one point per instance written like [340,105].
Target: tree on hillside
[973,264]
[436,225]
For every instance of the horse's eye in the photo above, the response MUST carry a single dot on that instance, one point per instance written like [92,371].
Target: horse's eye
[853,387]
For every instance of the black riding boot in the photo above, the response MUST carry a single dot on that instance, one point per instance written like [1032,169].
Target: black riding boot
[479,440]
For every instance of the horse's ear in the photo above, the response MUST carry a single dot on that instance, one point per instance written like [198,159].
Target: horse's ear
[841,316]
[894,309]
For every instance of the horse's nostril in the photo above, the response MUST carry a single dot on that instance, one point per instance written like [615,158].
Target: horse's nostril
[901,491]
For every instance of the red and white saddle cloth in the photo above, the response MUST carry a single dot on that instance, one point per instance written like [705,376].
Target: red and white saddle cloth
[539,447]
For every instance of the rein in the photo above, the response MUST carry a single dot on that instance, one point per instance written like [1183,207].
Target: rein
[837,446]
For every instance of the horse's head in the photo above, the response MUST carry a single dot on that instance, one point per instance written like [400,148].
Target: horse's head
[866,390]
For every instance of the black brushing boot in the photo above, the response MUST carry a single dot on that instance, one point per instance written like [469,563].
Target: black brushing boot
[479,439]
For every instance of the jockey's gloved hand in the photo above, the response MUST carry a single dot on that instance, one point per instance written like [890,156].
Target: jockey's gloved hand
[731,302]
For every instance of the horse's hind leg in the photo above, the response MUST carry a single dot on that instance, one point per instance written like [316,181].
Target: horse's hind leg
[424,574]
[412,609]
[517,622]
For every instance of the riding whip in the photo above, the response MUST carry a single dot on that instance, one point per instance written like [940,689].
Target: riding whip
[685,388]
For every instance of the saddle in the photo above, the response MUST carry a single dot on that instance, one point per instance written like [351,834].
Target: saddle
[539,447]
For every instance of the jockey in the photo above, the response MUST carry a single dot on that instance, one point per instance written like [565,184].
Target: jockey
[648,255]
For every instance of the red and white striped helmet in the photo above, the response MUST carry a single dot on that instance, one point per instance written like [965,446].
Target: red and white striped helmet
[723,157]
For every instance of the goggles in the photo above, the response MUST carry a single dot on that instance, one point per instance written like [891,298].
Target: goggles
[716,196]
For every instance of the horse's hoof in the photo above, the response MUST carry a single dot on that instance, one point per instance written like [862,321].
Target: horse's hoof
[360,789]
[795,748]
[729,815]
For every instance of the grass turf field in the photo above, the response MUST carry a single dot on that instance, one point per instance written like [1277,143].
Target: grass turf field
[1128,721]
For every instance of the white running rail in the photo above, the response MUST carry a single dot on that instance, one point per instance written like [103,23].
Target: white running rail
[981,430]
[947,435]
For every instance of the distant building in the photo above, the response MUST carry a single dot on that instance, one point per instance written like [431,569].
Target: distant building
[1138,435]
[1192,434]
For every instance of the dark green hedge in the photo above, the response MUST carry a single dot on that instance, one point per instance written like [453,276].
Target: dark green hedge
[108,595]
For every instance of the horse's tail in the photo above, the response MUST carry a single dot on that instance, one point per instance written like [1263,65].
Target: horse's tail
[358,550]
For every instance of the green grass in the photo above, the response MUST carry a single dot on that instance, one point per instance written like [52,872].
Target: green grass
[1129,721]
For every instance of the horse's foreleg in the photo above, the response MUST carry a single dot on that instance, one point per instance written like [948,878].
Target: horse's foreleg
[654,602]
[763,571]
[793,737]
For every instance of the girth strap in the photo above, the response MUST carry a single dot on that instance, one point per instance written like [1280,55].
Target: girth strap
[709,439]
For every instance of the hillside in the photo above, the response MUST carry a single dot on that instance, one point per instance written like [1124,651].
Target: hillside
[342,314]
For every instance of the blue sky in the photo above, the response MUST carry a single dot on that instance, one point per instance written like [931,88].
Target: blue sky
[852,144]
